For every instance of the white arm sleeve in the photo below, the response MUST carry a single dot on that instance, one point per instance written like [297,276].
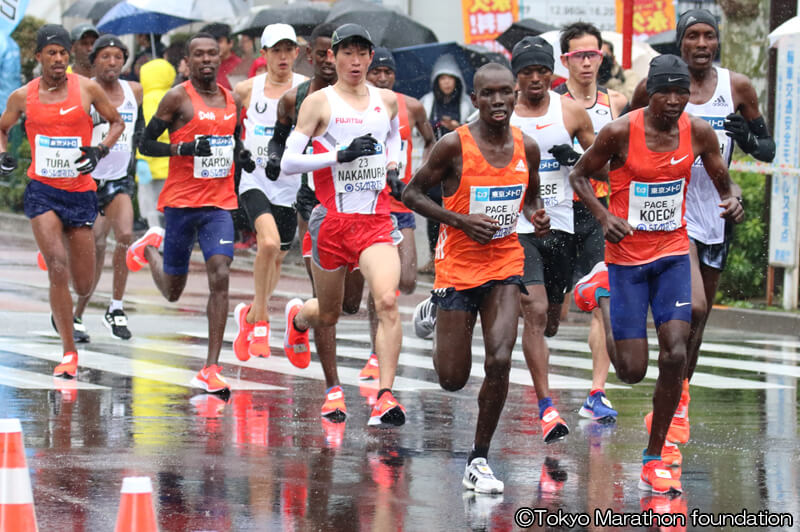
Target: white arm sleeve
[294,161]
[393,142]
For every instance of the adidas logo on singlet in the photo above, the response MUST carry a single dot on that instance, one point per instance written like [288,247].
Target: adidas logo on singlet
[521,166]
[720,101]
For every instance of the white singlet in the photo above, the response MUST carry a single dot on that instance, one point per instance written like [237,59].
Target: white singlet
[259,124]
[554,186]
[115,165]
[703,221]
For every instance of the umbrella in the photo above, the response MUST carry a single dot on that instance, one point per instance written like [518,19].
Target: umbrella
[414,64]
[208,10]
[91,9]
[664,42]
[124,18]
[787,29]
[388,28]
[302,16]
[527,27]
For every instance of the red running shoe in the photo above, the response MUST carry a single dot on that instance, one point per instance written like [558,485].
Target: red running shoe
[587,286]
[387,412]
[678,431]
[244,332]
[295,343]
[259,345]
[657,477]
[68,367]
[210,380]
[135,259]
[370,371]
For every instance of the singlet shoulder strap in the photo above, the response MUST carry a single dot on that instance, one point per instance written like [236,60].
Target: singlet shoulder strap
[562,89]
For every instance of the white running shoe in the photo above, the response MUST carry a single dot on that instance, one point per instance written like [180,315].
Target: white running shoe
[425,319]
[478,476]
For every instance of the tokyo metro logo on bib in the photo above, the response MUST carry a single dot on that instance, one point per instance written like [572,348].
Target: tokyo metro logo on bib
[513,192]
[659,189]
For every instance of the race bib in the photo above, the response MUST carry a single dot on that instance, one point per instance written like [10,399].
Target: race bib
[364,174]
[257,141]
[56,156]
[551,183]
[499,202]
[125,140]
[656,206]
[718,124]
[219,164]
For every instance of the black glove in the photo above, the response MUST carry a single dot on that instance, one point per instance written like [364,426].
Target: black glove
[7,164]
[736,128]
[245,161]
[396,185]
[199,147]
[564,154]
[273,169]
[87,162]
[361,146]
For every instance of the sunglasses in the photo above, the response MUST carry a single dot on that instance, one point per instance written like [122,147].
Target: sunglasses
[581,55]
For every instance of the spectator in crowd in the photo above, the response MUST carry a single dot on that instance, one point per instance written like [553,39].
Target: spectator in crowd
[145,42]
[247,53]
[156,77]
[83,37]
[10,79]
[259,66]
[175,53]
[228,60]
[447,106]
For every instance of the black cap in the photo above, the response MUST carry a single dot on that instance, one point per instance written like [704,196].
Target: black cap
[382,58]
[52,34]
[667,71]
[692,17]
[532,51]
[217,29]
[107,41]
[82,29]
[350,31]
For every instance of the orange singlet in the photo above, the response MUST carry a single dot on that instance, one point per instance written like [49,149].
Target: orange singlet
[649,191]
[56,131]
[497,192]
[203,181]
[405,151]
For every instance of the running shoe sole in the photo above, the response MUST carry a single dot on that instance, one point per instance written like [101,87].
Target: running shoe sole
[337,416]
[605,420]
[394,417]
[559,432]
[111,330]
[197,383]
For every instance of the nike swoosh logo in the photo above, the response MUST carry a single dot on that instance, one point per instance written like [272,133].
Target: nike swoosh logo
[679,304]
[584,287]
[540,126]
[63,111]
[673,161]
[223,242]
[670,80]
[228,117]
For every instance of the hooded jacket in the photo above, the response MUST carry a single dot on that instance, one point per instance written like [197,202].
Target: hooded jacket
[156,77]
[446,64]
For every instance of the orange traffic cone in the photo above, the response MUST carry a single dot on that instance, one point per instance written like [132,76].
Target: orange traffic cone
[40,261]
[136,506]
[16,497]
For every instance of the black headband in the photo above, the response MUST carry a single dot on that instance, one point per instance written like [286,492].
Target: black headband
[52,34]
[667,71]
[692,17]
[532,51]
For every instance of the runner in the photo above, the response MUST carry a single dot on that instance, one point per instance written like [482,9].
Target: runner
[648,246]
[554,123]
[333,408]
[114,177]
[356,143]
[717,95]
[83,38]
[201,117]
[60,200]
[581,43]
[268,202]
[484,170]
[381,74]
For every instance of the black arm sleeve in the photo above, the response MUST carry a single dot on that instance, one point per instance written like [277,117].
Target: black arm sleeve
[238,145]
[278,141]
[138,129]
[150,145]
[765,151]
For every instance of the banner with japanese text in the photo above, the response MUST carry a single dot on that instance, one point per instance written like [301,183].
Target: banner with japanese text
[649,17]
[485,20]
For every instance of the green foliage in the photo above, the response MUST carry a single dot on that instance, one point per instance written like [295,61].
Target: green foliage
[12,188]
[745,273]
[25,37]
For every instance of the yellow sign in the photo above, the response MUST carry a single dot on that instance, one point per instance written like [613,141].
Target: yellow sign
[649,16]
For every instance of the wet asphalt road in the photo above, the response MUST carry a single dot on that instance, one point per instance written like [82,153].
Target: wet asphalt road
[264,460]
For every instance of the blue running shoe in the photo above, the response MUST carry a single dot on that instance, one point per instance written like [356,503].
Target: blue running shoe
[599,408]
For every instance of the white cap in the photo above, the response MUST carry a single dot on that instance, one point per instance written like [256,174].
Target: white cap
[275,33]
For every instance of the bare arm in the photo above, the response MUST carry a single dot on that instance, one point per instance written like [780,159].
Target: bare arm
[15,107]
[705,144]
[618,102]
[532,207]
[107,110]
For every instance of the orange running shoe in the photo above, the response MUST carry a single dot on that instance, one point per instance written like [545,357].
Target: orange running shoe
[244,332]
[671,455]
[591,287]
[135,258]
[370,370]
[68,367]
[679,426]
[210,380]
[334,408]
[259,345]
[295,343]
[40,261]
[387,412]
[656,477]
[553,426]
